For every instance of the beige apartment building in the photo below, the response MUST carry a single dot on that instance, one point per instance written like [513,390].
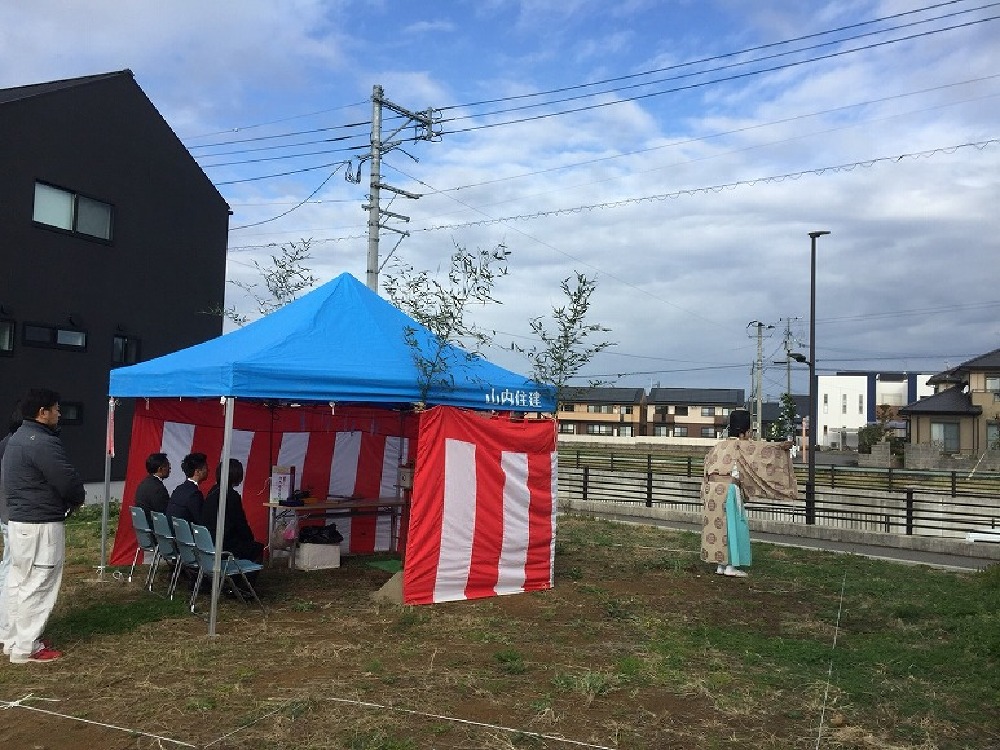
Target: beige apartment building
[609,412]
[691,412]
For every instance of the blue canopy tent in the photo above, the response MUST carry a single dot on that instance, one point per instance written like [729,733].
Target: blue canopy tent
[340,343]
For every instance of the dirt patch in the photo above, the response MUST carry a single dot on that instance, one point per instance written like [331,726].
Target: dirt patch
[614,656]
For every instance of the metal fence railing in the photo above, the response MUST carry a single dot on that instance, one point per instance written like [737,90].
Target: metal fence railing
[909,510]
[951,483]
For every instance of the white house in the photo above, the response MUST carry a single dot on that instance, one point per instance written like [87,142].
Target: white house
[849,401]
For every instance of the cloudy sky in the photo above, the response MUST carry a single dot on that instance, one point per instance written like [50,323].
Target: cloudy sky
[680,151]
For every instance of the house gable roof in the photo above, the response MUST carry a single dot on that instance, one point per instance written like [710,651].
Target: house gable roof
[603,395]
[953,401]
[988,361]
[957,374]
[19,93]
[127,92]
[697,396]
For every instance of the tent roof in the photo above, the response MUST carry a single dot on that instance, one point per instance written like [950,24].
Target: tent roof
[342,343]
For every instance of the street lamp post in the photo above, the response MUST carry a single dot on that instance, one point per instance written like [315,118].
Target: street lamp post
[813,396]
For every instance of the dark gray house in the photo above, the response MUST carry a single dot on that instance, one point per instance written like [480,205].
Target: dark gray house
[112,249]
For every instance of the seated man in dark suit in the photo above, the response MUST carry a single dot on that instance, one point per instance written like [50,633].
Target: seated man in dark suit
[186,499]
[151,495]
[238,537]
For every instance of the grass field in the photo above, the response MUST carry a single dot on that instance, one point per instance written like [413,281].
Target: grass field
[637,646]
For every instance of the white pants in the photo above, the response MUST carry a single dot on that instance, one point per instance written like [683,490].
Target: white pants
[6,634]
[38,551]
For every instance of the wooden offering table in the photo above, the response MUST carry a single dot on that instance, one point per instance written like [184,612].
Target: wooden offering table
[335,506]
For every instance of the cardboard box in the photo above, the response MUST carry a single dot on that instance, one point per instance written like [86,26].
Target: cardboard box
[317,556]
[282,483]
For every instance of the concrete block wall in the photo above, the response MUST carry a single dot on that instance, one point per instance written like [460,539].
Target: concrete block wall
[925,456]
[880,458]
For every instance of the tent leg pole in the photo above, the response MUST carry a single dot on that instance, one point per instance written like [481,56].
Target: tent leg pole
[108,453]
[220,519]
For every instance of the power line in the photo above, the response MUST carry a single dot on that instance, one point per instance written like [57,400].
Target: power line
[279,174]
[702,139]
[240,128]
[574,87]
[293,208]
[262,159]
[748,128]
[570,256]
[629,77]
[713,58]
[637,97]
[912,311]
[743,63]
[725,79]
[712,189]
[819,171]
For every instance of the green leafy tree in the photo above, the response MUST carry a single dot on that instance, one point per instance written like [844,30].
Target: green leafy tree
[441,306]
[784,426]
[282,280]
[570,346]
[868,436]
[880,431]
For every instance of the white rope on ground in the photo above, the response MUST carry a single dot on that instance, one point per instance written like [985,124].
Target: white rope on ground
[554,738]
[659,549]
[829,673]
[4,705]
[247,725]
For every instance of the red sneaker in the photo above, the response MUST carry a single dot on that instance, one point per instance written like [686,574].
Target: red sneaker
[42,655]
[40,643]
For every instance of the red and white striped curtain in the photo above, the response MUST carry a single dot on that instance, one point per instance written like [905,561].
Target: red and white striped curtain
[483,508]
[347,451]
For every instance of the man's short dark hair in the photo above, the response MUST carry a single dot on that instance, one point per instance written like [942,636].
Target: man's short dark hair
[37,399]
[192,462]
[235,472]
[155,462]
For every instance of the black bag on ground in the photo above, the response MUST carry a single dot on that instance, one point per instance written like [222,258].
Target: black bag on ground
[320,534]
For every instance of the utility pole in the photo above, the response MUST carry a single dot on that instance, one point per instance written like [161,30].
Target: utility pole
[790,428]
[424,123]
[788,359]
[758,380]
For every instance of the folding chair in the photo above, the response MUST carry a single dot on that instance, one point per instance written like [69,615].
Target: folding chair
[167,546]
[147,543]
[231,566]
[187,550]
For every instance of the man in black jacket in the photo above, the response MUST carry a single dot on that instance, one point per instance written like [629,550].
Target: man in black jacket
[151,494]
[41,489]
[186,499]
[237,536]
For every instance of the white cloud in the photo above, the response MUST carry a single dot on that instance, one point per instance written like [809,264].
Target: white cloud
[679,278]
